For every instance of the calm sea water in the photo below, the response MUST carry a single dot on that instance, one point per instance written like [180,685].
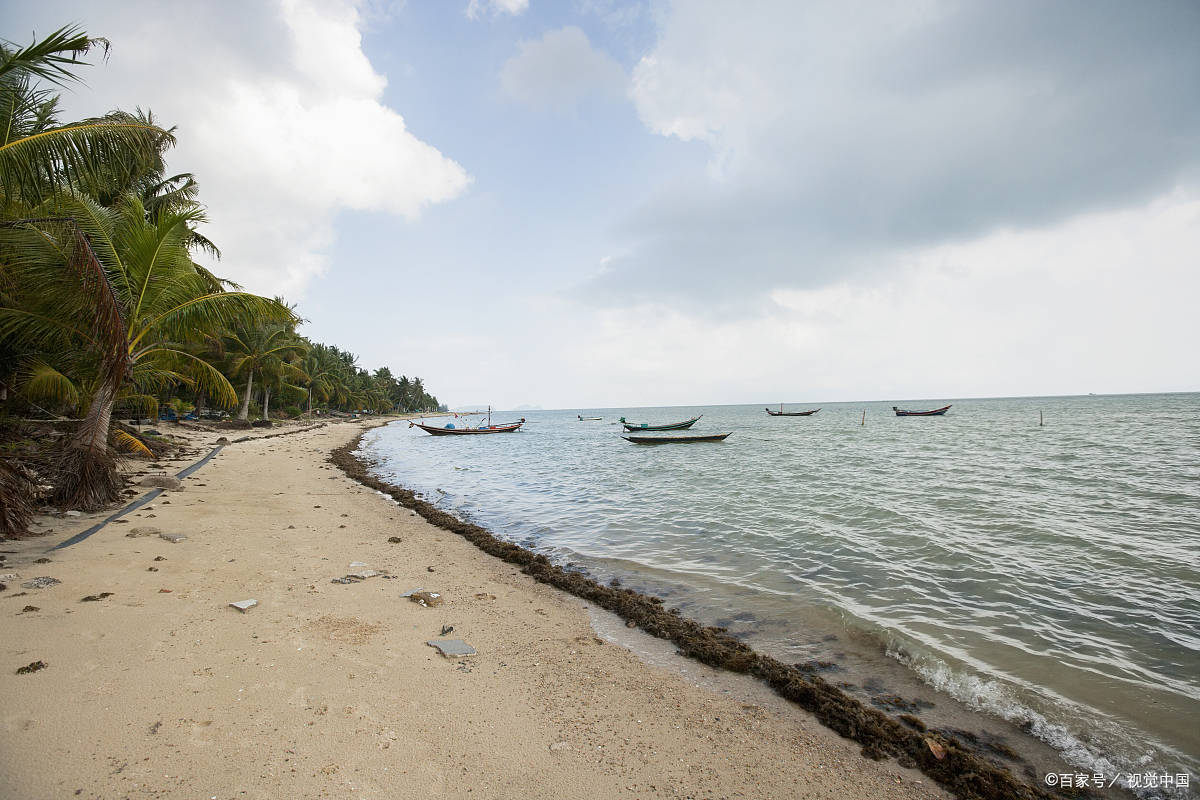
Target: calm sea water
[1047,575]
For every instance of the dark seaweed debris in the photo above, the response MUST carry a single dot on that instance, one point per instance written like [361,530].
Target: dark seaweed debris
[965,773]
[33,667]
[894,702]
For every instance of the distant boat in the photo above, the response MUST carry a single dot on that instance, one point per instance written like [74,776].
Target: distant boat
[449,430]
[670,426]
[937,412]
[589,419]
[782,413]
[700,437]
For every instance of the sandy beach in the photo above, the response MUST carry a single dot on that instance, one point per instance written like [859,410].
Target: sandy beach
[330,690]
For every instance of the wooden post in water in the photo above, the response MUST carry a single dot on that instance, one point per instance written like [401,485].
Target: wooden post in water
[1041,419]
[864,421]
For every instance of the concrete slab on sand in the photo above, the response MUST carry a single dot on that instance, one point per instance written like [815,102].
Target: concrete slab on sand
[452,648]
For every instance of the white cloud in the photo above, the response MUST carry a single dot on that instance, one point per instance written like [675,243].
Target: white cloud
[837,130]
[280,118]
[477,8]
[560,69]
[1102,303]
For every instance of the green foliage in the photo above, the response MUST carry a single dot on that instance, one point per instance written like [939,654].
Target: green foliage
[103,308]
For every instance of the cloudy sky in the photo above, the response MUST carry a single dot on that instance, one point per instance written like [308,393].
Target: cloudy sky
[591,203]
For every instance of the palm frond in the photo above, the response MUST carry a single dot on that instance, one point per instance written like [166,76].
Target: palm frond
[40,381]
[200,373]
[217,309]
[144,405]
[130,443]
[48,59]
[76,156]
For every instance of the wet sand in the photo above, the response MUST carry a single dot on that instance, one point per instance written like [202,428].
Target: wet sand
[161,689]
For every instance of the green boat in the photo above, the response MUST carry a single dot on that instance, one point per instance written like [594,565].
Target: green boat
[671,426]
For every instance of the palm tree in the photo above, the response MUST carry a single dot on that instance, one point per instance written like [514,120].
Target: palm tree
[39,157]
[132,300]
[323,375]
[263,349]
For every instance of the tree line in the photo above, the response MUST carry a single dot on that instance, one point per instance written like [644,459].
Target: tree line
[104,311]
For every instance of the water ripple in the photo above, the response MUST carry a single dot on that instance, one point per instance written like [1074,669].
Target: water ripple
[1061,562]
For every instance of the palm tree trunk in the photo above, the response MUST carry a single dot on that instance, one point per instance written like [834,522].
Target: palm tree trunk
[244,413]
[266,402]
[87,475]
[310,401]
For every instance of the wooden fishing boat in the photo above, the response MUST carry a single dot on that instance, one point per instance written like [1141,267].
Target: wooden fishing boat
[670,426]
[937,412]
[782,413]
[589,419]
[450,430]
[693,437]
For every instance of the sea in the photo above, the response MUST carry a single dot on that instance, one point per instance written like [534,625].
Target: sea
[1024,569]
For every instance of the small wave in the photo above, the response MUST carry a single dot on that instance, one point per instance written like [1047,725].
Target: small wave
[1112,751]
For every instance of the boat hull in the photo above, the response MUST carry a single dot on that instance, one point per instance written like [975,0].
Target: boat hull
[468,431]
[707,437]
[937,412]
[792,413]
[673,426]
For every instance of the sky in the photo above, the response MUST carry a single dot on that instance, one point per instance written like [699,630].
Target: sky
[593,203]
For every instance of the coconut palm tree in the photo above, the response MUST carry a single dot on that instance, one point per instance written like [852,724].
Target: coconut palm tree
[323,375]
[122,291]
[263,349]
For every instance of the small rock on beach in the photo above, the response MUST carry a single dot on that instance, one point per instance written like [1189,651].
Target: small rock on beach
[40,582]
[161,482]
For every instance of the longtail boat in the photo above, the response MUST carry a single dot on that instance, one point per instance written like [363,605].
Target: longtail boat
[782,413]
[670,426]
[507,427]
[449,430]
[702,437]
[588,419]
[937,412]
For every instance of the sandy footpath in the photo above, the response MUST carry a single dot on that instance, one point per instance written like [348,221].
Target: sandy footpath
[329,690]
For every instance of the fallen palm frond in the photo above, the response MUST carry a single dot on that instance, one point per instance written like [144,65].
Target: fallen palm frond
[131,444]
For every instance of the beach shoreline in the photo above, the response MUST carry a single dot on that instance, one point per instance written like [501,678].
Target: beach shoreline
[961,768]
[161,689]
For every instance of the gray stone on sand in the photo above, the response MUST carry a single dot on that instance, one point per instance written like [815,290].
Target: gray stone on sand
[145,531]
[40,583]
[161,481]
[452,648]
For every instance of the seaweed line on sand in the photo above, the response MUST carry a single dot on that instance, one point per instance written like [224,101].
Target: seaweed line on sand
[965,773]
